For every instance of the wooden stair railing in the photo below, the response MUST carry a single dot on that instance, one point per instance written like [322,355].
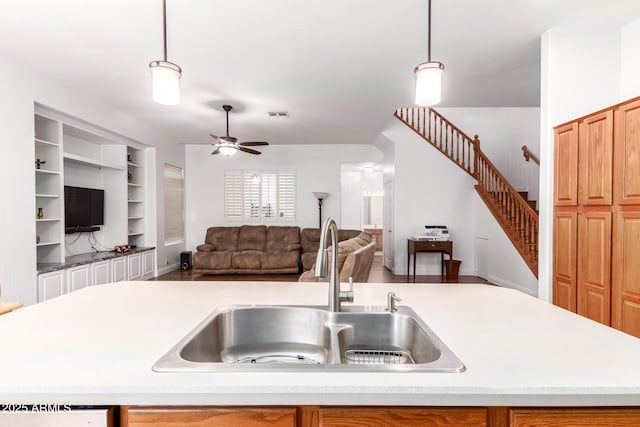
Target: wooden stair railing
[518,220]
[443,135]
[529,155]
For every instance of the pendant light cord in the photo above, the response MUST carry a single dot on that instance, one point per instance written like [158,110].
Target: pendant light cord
[428,33]
[164,27]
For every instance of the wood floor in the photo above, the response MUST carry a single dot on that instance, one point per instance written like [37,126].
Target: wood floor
[378,274]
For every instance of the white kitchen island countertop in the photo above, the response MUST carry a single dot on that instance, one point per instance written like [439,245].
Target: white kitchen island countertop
[96,346]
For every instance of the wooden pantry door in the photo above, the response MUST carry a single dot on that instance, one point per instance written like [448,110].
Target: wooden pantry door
[594,266]
[565,241]
[595,160]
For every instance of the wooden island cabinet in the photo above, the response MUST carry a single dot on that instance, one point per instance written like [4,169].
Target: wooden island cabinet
[596,241]
[367,416]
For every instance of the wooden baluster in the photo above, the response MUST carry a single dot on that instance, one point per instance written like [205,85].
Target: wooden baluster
[476,151]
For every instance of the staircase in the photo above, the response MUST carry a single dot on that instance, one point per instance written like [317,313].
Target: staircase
[513,212]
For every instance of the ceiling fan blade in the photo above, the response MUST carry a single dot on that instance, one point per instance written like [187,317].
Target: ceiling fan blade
[253,143]
[214,136]
[229,139]
[247,150]
[216,151]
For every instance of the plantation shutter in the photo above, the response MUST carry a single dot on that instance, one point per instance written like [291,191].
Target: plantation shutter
[173,204]
[260,194]
[287,195]
[233,194]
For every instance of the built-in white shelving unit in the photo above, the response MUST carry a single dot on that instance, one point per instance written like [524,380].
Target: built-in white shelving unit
[75,153]
[135,196]
[48,189]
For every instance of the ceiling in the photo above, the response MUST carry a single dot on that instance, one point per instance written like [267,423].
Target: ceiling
[339,68]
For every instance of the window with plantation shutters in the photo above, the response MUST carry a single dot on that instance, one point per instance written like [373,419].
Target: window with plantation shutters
[173,205]
[260,194]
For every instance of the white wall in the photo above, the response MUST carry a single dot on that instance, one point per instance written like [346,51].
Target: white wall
[502,133]
[584,69]
[630,60]
[317,169]
[504,264]
[429,189]
[17,180]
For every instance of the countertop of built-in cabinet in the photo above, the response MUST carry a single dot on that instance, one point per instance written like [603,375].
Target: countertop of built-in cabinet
[97,346]
[80,259]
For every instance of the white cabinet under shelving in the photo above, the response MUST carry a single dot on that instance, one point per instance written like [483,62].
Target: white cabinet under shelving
[51,285]
[119,269]
[100,272]
[148,264]
[135,266]
[78,277]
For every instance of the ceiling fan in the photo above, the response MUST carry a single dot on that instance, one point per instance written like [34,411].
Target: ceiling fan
[228,145]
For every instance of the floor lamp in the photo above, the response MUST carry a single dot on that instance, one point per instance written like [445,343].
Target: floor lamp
[320,196]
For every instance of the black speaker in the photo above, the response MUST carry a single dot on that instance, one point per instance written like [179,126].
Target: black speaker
[185,260]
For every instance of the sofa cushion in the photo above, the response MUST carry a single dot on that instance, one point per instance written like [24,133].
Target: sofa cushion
[224,238]
[206,247]
[252,237]
[246,260]
[216,260]
[279,259]
[280,238]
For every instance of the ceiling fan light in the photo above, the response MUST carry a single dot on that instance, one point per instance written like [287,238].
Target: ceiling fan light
[165,78]
[429,83]
[227,150]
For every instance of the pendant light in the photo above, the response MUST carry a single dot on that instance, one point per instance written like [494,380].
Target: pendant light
[165,76]
[429,75]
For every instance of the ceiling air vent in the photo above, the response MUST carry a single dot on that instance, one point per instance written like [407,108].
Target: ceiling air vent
[278,114]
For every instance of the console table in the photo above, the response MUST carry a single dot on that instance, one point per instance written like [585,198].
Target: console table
[415,246]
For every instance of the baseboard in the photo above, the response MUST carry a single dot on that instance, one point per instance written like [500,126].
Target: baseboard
[168,268]
[507,284]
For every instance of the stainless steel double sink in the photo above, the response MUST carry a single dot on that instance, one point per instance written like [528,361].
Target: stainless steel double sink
[307,338]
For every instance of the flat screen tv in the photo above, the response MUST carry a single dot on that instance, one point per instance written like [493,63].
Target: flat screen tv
[83,208]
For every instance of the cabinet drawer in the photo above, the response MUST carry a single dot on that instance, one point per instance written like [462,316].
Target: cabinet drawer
[574,417]
[402,417]
[209,417]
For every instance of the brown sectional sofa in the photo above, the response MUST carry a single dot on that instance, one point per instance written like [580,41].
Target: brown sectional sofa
[249,249]
[310,241]
[355,257]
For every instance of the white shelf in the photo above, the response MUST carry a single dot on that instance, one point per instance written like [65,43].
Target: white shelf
[135,201]
[135,234]
[43,143]
[46,172]
[131,184]
[51,196]
[80,160]
[47,219]
[135,217]
[134,165]
[41,244]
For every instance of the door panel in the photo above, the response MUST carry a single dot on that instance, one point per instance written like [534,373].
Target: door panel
[387,219]
[596,157]
[564,260]
[566,165]
[594,266]
[627,154]
[626,273]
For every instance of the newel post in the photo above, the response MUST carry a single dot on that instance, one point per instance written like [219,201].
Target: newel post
[476,157]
